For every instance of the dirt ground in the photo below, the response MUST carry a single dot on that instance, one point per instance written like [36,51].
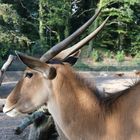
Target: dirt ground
[109,82]
[7,126]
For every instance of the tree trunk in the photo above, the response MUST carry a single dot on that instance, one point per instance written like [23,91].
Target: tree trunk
[42,26]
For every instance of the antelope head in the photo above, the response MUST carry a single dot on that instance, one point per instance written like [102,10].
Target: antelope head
[35,88]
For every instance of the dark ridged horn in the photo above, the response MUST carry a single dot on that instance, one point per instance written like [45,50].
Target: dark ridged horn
[80,44]
[64,44]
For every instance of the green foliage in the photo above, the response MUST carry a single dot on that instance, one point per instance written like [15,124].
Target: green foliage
[29,25]
[58,12]
[8,15]
[137,55]
[122,30]
[108,54]
[120,56]
[53,21]
[58,18]
[12,38]
[26,24]
[97,56]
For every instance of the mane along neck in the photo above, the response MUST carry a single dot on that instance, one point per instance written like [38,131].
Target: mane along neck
[82,90]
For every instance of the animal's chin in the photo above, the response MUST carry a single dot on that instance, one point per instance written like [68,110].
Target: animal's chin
[14,113]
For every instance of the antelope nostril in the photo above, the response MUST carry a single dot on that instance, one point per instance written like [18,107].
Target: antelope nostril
[3,106]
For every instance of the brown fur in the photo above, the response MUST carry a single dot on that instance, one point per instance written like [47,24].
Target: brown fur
[79,110]
[113,116]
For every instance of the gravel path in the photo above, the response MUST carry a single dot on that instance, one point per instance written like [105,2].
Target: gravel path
[7,126]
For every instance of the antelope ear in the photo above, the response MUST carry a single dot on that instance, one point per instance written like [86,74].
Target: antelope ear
[36,64]
[72,59]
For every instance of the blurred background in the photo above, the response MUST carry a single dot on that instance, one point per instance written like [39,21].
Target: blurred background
[35,26]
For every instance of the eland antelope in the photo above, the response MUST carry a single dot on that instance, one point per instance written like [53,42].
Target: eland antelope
[78,108]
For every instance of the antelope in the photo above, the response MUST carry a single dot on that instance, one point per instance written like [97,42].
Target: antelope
[78,108]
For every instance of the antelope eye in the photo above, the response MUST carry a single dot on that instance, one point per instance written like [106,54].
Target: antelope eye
[29,75]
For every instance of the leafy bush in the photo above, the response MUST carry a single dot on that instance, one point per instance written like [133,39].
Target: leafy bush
[120,56]
[137,55]
[96,55]
[109,54]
